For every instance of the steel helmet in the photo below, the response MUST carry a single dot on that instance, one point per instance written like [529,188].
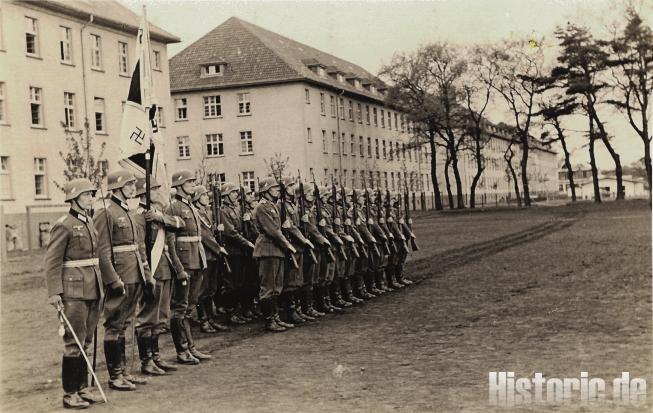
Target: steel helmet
[288,180]
[76,187]
[227,188]
[198,191]
[140,185]
[118,179]
[266,183]
[181,177]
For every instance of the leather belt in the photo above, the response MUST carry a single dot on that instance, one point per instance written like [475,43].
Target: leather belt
[189,239]
[88,262]
[125,248]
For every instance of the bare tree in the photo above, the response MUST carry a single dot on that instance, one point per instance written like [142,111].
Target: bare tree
[80,159]
[511,174]
[276,164]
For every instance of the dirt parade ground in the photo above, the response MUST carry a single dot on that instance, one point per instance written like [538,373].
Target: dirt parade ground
[557,290]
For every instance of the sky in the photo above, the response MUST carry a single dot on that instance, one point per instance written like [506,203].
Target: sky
[368,33]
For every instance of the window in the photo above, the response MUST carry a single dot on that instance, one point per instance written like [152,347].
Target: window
[322,104]
[156,60]
[391,151]
[96,52]
[244,106]
[343,143]
[69,109]
[5,178]
[31,36]
[402,123]
[361,150]
[123,59]
[333,105]
[214,145]
[362,179]
[392,180]
[354,177]
[307,95]
[159,117]
[324,141]
[385,180]
[246,142]
[369,147]
[382,119]
[376,148]
[367,114]
[309,137]
[351,111]
[376,120]
[397,150]
[341,108]
[389,120]
[216,178]
[359,113]
[212,107]
[334,142]
[99,115]
[352,145]
[66,45]
[40,184]
[3,106]
[181,109]
[384,150]
[36,105]
[183,147]
[403,150]
[396,123]
[248,180]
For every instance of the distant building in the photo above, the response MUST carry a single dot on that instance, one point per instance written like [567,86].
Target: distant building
[62,63]
[633,187]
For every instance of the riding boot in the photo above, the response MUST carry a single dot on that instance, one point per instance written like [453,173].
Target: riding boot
[327,299]
[178,332]
[275,312]
[362,288]
[376,285]
[85,392]
[288,303]
[299,305]
[348,291]
[336,296]
[156,356]
[320,302]
[191,344]
[125,373]
[268,315]
[399,275]
[113,355]
[307,302]
[145,354]
[70,367]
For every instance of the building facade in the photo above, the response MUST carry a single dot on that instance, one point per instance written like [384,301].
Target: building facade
[244,97]
[63,64]
[634,187]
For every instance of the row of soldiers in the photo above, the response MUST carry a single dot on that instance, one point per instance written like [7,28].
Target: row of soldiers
[223,251]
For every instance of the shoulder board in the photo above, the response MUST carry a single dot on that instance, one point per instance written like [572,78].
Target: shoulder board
[61,219]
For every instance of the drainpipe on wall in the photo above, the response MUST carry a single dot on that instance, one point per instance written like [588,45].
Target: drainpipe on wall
[86,124]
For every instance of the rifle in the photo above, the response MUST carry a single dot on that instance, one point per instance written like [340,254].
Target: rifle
[354,250]
[354,201]
[218,227]
[318,214]
[409,221]
[341,248]
[283,216]
[302,213]
[241,194]
[386,246]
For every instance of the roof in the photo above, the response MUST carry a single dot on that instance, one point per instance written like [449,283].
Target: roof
[258,56]
[108,13]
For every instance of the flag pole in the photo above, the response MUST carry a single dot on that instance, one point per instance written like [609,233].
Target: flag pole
[148,154]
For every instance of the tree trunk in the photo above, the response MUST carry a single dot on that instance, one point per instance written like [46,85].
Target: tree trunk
[515,182]
[570,171]
[456,173]
[447,181]
[647,165]
[615,156]
[479,169]
[524,168]
[434,175]
[595,172]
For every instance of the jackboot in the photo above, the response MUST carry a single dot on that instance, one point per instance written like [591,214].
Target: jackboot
[290,309]
[113,355]
[191,344]
[297,298]
[376,286]
[206,327]
[156,356]
[85,392]
[275,313]
[390,278]
[125,373]
[380,280]
[336,297]
[145,354]
[268,315]
[70,367]
[320,302]
[363,289]
[327,300]
[347,292]
[399,276]
[178,332]
[307,303]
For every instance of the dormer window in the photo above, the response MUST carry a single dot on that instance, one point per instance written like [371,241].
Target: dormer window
[357,83]
[340,78]
[372,89]
[320,71]
[212,69]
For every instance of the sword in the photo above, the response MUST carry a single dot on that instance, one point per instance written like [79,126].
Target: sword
[63,317]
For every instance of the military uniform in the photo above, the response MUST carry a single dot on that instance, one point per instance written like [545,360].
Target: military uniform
[122,257]
[327,268]
[251,282]
[72,272]
[365,264]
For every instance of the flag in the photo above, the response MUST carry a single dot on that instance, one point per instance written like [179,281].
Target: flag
[139,126]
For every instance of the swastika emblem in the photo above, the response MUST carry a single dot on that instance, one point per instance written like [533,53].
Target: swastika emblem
[137,136]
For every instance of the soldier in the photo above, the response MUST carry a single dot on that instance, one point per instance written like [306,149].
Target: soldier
[293,278]
[400,244]
[188,284]
[311,269]
[122,261]
[355,248]
[74,283]
[251,281]
[239,249]
[328,269]
[408,234]
[211,272]
[334,216]
[364,265]
[153,315]
[270,249]
[376,261]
